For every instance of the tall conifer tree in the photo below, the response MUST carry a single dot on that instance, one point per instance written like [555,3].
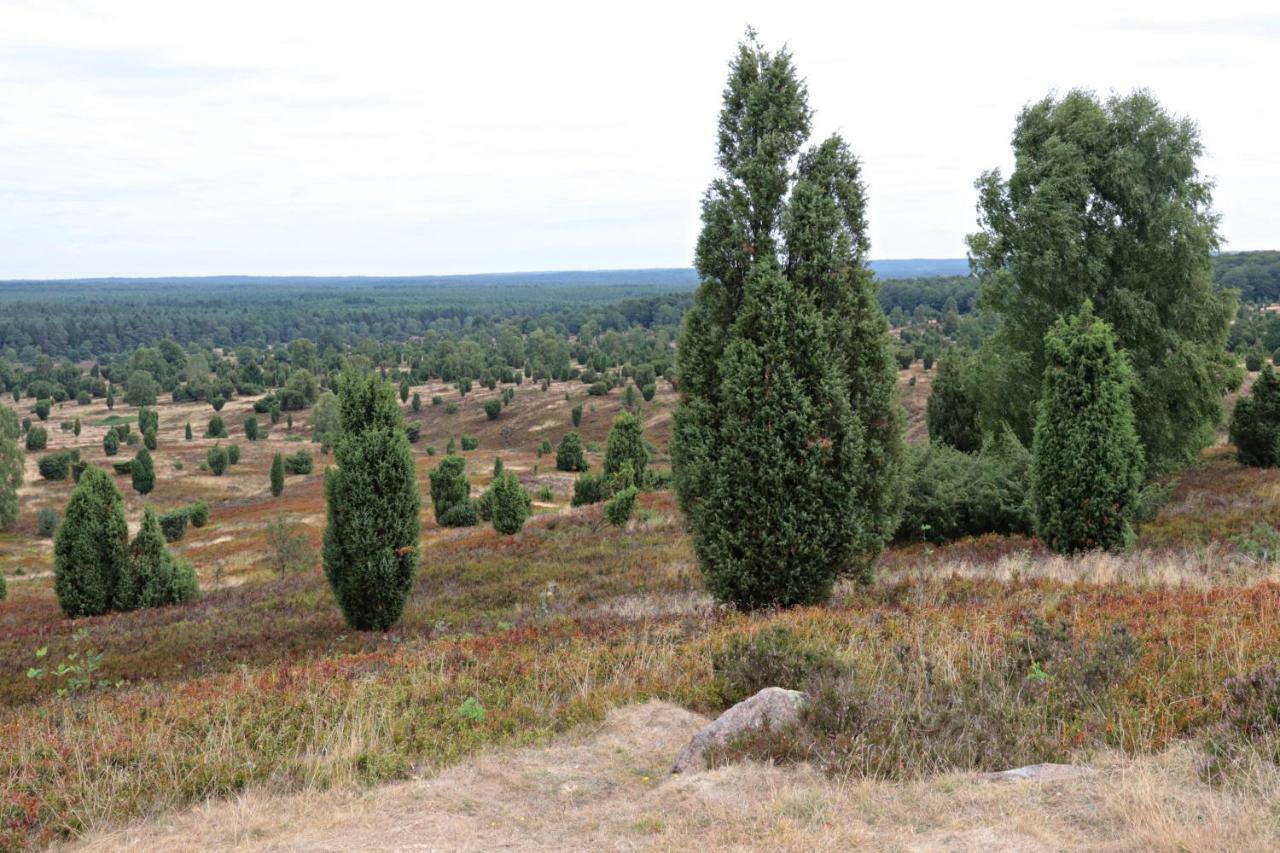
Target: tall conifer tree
[371,539]
[787,444]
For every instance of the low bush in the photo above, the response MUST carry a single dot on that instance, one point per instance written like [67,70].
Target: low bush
[198,512]
[174,524]
[55,466]
[950,494]
[469,442]
[47,522]
[298,463]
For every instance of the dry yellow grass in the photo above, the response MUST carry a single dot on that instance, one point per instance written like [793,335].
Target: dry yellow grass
[608,788]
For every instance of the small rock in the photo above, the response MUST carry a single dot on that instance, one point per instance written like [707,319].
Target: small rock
[778,706]
[1038,773]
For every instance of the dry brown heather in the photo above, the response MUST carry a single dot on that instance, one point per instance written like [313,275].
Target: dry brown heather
[258,698]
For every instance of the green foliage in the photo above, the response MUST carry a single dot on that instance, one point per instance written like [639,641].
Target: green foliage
[90,551]
[545,447]
[287,548]
[277,475]
[298,463]
[371,538]
[216,459]
[417,402]
[12,467]
[174,524]
[326,421]
[251,429]
[42,409]
[590,489]
[450,489]
[47,521]
[216,428]
[1106,204]
[787,444]
[111,443]
[952,413]
[187,431]
[233,454]
[575,415]
[199,512]
[141,389]
[157,578]
[950,494]
[1255,423]
[55,466]
[125,467]
[625,456]
[617,511]
[4,589]
[1250,726]
[510,505]
[569,455]
[1086,460]
[493,408]
[144,472]
[149,439]
[469,442]
[773,657]
[148,419]
[37,438]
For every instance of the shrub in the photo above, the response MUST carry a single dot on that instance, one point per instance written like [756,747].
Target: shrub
[546,495]
[298,463]
[413,432]
[545,448]
[187,431]
[1087,465]
[569,456]
[648,392]
[4,590]
[46,522]
[156,577]
[218,402]
[287,548]
[174,524]
[416,405]
[598,389]
[111,443]
[1255,423]
[617,511]
[493,408]
[1253,361]
[149,439]
[199,514]
[469,442]
[233,454]
[277,475]
[371,538]
[450,489]
[451,409]
[55,466]
[625,456]
[950,494]
[125,467]
[42,409]
[37,438]
[590,489]
[251,429]
[511,503]
[217,460]
[90,551]
[148,419]
[772,657]
[952,411]
[144,473]
[216,428]
[437,400]
[575,415]
[459,515]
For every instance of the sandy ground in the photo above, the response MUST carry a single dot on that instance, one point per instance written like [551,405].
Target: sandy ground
[609,789]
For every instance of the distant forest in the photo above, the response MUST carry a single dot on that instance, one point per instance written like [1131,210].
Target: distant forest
[92,318]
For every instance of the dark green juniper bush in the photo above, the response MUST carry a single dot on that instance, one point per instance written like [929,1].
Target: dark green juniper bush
[371,538]
[787,442]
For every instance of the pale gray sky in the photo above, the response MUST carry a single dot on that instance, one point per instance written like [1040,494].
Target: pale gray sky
[167,138]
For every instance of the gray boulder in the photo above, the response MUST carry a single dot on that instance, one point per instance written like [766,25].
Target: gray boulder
[773,704]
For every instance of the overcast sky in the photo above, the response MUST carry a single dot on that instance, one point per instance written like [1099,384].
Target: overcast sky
[176,138]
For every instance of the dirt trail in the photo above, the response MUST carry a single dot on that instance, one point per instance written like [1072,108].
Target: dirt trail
[609,789]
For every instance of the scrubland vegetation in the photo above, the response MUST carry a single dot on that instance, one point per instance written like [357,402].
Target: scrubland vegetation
[250,547]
